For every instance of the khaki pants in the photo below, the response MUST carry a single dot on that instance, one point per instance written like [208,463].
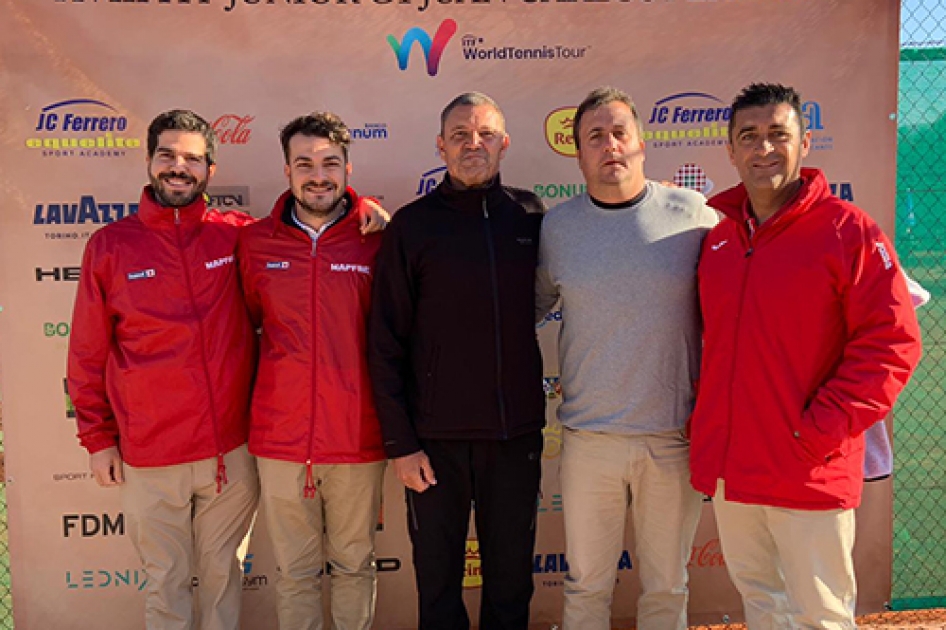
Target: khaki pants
[602,475]
[181,527]
[793,568]
[345,508]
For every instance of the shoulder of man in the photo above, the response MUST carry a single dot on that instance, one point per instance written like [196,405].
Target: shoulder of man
[235,218]
[527,199]
[690,201]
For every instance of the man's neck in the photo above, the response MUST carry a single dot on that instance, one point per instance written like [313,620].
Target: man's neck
[456,184]
[318,222]
[766,203]
[617,194]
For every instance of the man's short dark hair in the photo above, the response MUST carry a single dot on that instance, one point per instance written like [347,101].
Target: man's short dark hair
[602,96]
[762,94]
[470,99]
[182,120]
[317,125]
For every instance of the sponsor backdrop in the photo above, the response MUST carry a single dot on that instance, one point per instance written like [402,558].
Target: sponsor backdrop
[81,79]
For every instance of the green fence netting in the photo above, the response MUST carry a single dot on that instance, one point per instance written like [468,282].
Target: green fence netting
[919,570]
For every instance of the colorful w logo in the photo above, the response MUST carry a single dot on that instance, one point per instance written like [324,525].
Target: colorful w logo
[432,49]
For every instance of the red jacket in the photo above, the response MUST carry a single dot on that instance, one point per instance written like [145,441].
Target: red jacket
[809,337]
[161,351]
[312,402]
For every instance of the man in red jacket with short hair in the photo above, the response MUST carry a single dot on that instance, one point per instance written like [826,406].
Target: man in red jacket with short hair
[307,271]
[809,337]
[160,366]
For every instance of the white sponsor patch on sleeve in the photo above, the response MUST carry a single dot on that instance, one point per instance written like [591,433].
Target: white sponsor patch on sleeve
[884,254]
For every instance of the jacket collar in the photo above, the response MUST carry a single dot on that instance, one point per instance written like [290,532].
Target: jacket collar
[734,202]
[470,199]
[156,216]
[282,217]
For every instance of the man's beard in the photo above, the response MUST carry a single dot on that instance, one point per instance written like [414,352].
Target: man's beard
[318,211]
[174,199]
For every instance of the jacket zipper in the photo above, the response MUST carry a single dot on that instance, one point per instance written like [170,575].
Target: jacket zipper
[496,319]
[309,490]
[750,249]
[221,477]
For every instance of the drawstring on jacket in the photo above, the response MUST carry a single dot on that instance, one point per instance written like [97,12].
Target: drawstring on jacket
[221,473]
[308,491]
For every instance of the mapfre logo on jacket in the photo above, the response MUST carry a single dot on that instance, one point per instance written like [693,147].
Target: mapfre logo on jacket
[349,267]
[219,262]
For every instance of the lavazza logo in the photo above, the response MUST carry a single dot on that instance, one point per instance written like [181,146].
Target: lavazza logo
[77,220]
[82,128]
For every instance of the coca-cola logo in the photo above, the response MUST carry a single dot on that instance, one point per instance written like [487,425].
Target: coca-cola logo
[233,129]
[707,555]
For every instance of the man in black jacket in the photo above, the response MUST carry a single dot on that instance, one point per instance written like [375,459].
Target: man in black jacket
[457,373]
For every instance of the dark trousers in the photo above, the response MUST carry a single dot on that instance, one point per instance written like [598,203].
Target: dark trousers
[501,478]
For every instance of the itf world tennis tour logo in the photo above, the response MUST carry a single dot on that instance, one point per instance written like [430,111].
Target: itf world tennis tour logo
[432,48]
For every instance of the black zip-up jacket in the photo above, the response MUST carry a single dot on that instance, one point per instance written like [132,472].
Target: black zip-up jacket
[452,344]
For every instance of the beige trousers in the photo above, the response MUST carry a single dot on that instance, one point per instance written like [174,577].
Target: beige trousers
[182,527]
[336,526]
[793,568]
[603,474]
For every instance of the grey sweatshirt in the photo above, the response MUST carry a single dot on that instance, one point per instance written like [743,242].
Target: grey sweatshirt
[630,339]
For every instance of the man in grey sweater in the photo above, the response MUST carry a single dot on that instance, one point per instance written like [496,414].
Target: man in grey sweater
[622,258]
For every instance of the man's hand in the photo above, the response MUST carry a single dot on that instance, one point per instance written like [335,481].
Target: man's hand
[414,471]
[375,219]
[106,467]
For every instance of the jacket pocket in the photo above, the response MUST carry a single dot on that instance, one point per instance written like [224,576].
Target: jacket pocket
[429,381]
[820,447]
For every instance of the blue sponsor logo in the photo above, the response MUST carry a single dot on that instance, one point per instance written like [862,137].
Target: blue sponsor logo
[843,190]
[554,316]
[430,180]
[370,131]
[86,211]
[141,275]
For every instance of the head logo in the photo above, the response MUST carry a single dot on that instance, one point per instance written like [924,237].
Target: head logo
[693,176]
[559,131]
[433,49]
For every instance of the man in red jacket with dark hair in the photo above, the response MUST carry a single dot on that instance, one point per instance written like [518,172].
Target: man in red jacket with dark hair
[307,271]
[160,365]
[809,336]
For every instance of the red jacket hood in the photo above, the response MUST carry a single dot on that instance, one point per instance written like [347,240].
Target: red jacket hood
[358,207]
[734,202]
[155,215]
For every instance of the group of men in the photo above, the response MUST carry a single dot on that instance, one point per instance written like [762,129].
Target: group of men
[742,360]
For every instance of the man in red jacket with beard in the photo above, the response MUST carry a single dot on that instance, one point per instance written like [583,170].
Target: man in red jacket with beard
[160,365]
[307,271]
[809,336]
[161,360]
